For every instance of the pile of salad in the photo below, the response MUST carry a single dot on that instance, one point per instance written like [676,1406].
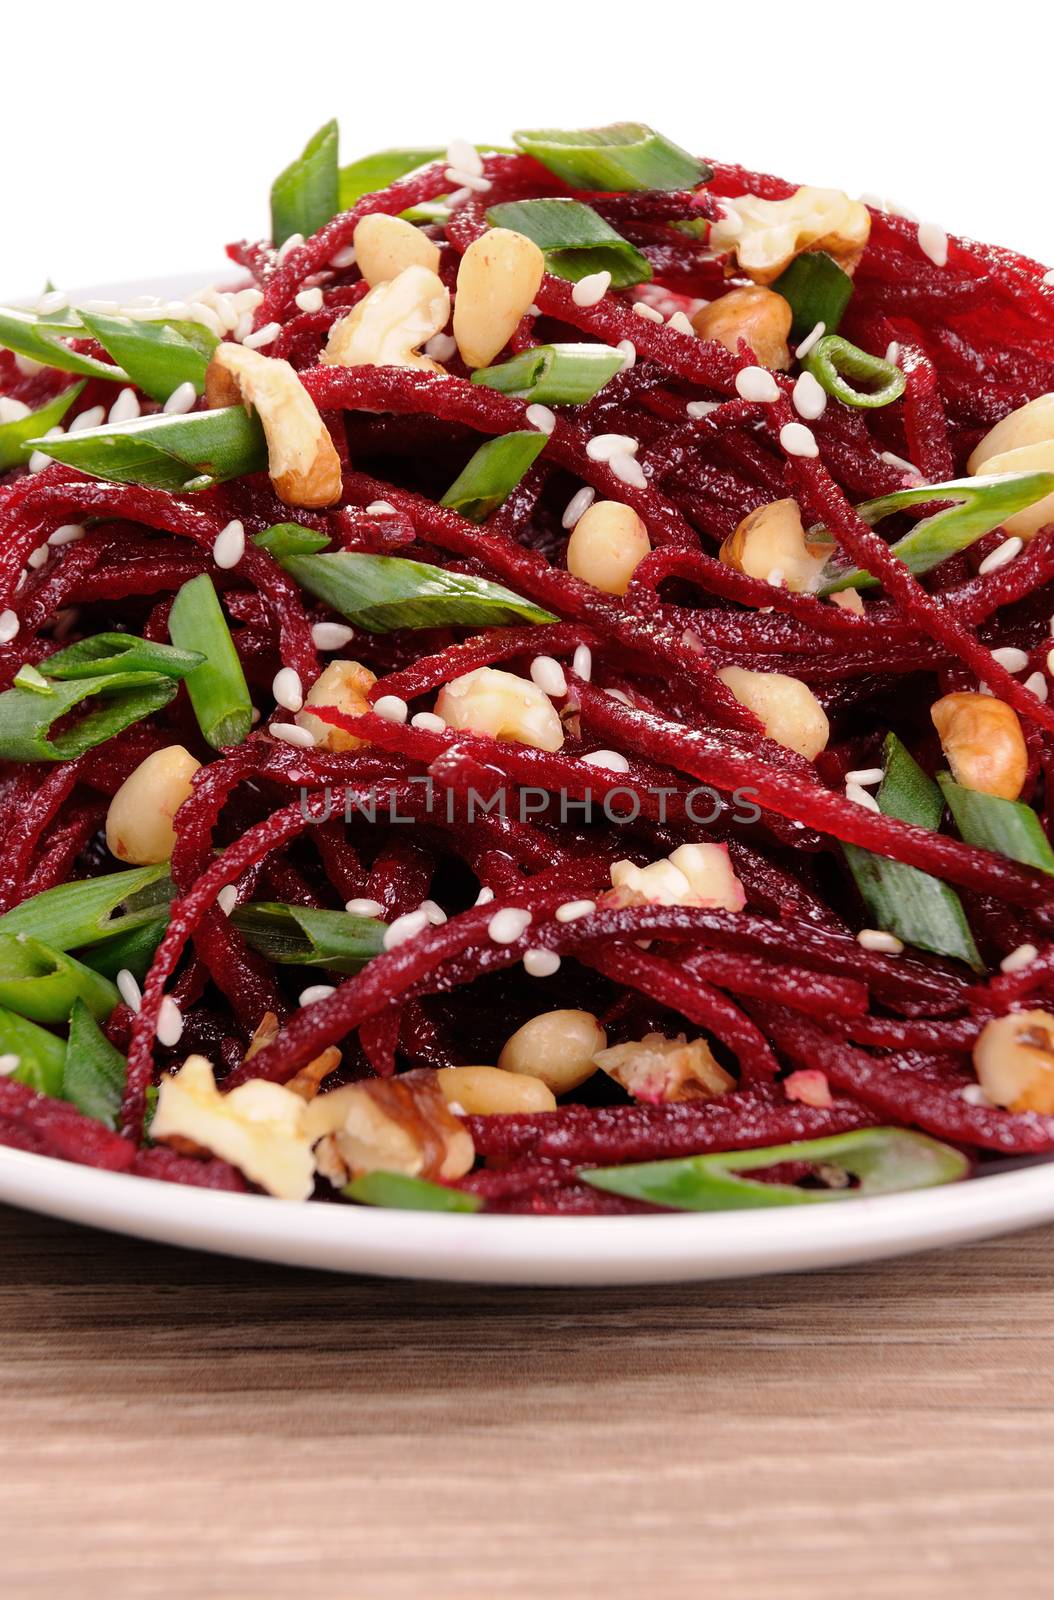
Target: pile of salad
[533,695]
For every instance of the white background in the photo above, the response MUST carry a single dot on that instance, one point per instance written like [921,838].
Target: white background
[140,138]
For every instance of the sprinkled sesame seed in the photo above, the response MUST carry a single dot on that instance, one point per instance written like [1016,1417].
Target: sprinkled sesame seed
[680,323]
[798,440]
[428,722]
[540,963]
[315,992]
[485,896]
[809,397]
[933,242]
[811,339]
[876,939]
[88,419]
[582,663]
[628,351]
[542,418]
[227,898]
[774,576]
[755,383]
[1048,278]
[69,533]
[292,733]
[380,508]
[343,259]
[605,445]
[457,197]
[471,181]
[464,156]
[1018,959]
[391,708]
[860,797]
[9,1063]
[294,242]
[974,1095]
[1011,659]
[627,469]
[1001,556]
[169,1023]
[54,300]
[128,989]
[580,503]
[363,907]
[610,760]
[548,674]
[331,635]
[571,910]
[893,353]
[698,409]
[1037,684]
[12,410]
[508,925]
[229,546]
[126,407]
[181,400]
[865,775]
[263,336]
[590,290]
[641,309]
[309,300]
[441,346]
[434,912]
[409,926]
[288,689]
[38,558]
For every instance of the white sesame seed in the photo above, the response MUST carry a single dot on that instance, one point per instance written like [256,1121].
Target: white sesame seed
[811,339]
[405,927]
[69,533]
[54,300]
[128,989]
[468,181]
[441,346]
[27,366]
[38,460]
[642,309]
[227,898]
[582,663]
[860,797]
[542,418]
[865,775]
[798,440]
[628,351]
[548,674]
[309,300]
[974,1095]
[181,400]
[589,291]
[380,508]
[571,910]
[899,462]
[464,156]
[126,407]
[1048,278]
[875,939]
[38,558]
[88,419]
[1011,659]
[809,397]
[1018,959]
[169,1023]
[627,469]
[680,324]
[331,635]
[9,1063]
[434,912]
[774,576]
[580,503]
[1037,684]
[698,409]
[391,708]
[343,259]
[610,760]
[617,694]
[288,689]
[485,896]
[315,992]
[757,384]
[540,963]
[292,733]
[428,722]
[1001,556]
[363,907]
[457,197]
[605,445]
[508,925]
[263,336]
[294,242]
[229,546]
[933,242]
[12,410]
[533,310]
[892,353]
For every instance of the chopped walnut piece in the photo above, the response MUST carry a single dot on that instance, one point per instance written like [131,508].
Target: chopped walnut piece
[400,1124]
[658,1069]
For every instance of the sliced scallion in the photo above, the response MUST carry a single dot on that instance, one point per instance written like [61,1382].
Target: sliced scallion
[94,1074]
[290,539]
[575,238]
[157,356]
[1008,827]
[217,688]
[917,908]
[15,446]
[624,155]
[396,1191]
[42,983]
[817,290]
[166,452]
[882,1160]
[379,171]
[307,194]
[833,361]
[90,909]
[302,936]
[105,653]
[44,339]
[492,474]
[27,717]
[554,374]
[131,951]
[41,1055]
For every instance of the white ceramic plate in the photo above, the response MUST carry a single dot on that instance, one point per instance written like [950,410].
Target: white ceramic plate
[520,1250]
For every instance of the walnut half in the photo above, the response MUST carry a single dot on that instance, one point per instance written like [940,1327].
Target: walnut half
[398,1124]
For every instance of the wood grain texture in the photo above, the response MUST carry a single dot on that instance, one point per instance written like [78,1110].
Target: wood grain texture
[178,1424]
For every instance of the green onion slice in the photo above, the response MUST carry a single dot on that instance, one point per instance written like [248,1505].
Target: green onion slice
[27,716]
[978,506]
[174,453]
[43,984]
[817,290]
[398,1192]
[41,1055]
[492,474]
[94,1076]
[43,339]
[624,155]
[882,1160]
[307,194]
[379,171]
[157,356]
[1008,827]
[382,593]
[90,909]
[290,539]
[217,688]
[833,361]
[15,446]
[919,909]
[301,936]
[575,238]
[554,374]
[132,950]
[105,653]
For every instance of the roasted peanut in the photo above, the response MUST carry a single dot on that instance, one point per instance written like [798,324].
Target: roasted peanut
[790,711]
[302,460]
[760,316]
[557,1046]
[386,246]
[771,544]
[1032,423]
[608,544]
[491,1092]
[1014,1060]
[502,705]
[1027,458]
[982,738]
[498,278]
[345,686]
[139,825]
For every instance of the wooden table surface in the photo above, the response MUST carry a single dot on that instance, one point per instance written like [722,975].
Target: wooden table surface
[175,1424]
